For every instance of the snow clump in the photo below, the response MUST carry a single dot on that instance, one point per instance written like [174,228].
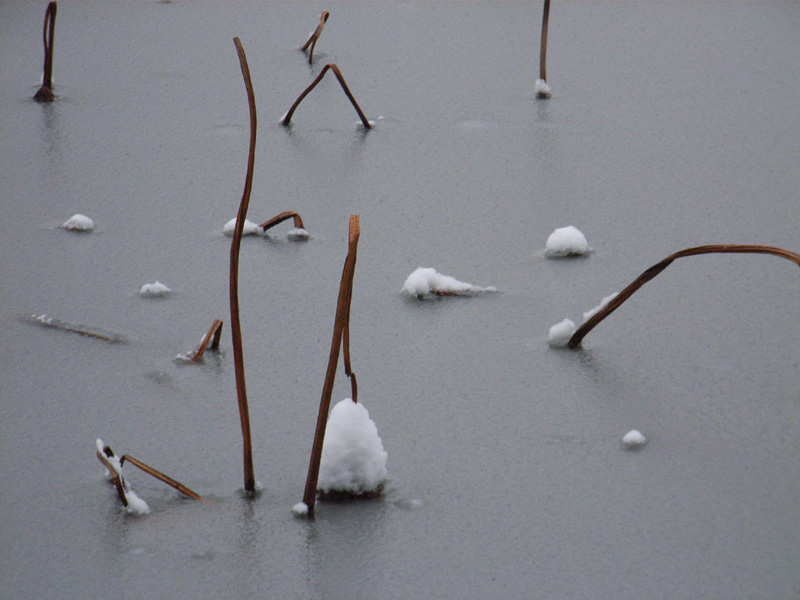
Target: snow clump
[634,439]
[604,302]
[566,241]
[425,281]
[78,222]
[300,509]
[353,459]
[560,334]
[297,234]
[542,89]
[136,506]
[250,228]
[154,290]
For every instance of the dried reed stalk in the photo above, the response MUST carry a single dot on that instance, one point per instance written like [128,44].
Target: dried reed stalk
[288,117]
[236,329]
[312,41]
[158,475]
[543,47]
[216,331]
[650,273]
[116,477]
[45,93]
[340,326]
[284,216]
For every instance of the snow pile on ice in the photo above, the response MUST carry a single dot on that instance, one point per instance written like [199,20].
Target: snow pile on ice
[634,439]
[603,303]
[297,234]
[426,280]
[566,241]
[250,228]
[542,89]
[154,290]
[560,333]
[300,509]
[353,459]
[78,222]
[136,506]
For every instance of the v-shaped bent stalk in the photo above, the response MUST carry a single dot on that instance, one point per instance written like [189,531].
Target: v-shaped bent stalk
[650,273]
[288,117]
[45,93]
[312,40]
[212,336]
[236,329]
[284,216]
[341,326]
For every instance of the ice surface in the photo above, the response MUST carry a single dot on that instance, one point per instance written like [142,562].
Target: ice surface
[78,222]
[353,459]
[603,303]
[634,439]
[425,281]
[542,89]
[566,241]
[560,333]
[154,290]
[297,234]
[250,228]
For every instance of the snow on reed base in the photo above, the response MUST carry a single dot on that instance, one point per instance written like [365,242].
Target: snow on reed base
[560,333]
[426,281]
[297,234]
[136,506]
[542,89]
[154,290]
[353,459]
[566,241]
[78,222]
[250,228]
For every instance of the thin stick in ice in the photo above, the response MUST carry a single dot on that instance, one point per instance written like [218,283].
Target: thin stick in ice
[312,40]
[45,93]
[211,337]
[542,89]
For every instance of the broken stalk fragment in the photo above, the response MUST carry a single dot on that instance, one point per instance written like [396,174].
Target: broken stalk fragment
[216,331]
[542,89]
[284,216]
[312,40]
[160,476]
[45,93]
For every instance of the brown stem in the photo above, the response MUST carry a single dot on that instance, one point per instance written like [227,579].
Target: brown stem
[45,93]
[285,215]
[158,475]
[216,331]
[236,329]
[543,47]
[288,117]
[312,41]
[650,273]
[116,477]
[342,312]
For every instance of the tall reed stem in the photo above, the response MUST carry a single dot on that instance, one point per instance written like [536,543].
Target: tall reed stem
[45,93]
[543,47]
[236,329]
[650,273]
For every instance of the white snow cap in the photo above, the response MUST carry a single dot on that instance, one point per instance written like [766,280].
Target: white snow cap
[78,222]
[425,281]
[154,290]
[634,439]
[353,459]
[300,509]
[250,228]
[603,303]
[542,89]
[560,333]
[566,241]
[136,506]
[297,234]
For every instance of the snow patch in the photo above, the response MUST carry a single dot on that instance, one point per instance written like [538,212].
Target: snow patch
[542,89]
[634,439]
[603,303]
[566,241]
[560,334]
[250,228]
[154,290]
[78,222]
[297,234]
[426,281]
[300,509]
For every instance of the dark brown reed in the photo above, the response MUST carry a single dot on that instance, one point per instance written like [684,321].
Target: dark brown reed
[341,325]
[543,48]
[236,329]
[160,476]
[116,477]
[312,41]
[45,93]
[284,216]
[212,336]
[288,117]
[650,273]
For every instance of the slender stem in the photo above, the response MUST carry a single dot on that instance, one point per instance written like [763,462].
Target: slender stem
[346,89]
[312,41]
[543,48]
[216,331]
[158,475]
[45,93]
[285,215]
[650,273]
[342,311]
[116,478]
[236,329]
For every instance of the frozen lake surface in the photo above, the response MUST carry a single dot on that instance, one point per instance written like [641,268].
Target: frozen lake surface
[672,124]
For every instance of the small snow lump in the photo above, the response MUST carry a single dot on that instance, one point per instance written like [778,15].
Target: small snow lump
[634,439]
[560,334]
[566,241]
[78,222]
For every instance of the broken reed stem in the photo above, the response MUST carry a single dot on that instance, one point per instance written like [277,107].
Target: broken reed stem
[45,93]
[116,478]
[340,325]
[285,215]
[158,475]
[216,331]
[312,41]
[288,117]
[543,47]
[236,329]
[650,273]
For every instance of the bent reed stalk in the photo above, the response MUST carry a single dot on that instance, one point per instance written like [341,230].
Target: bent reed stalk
[160,476]
[45,93]
[650,273]
[284,216]
[216,331]
[332,66]
[312,40]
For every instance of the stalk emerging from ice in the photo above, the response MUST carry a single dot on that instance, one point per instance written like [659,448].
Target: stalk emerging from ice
[287,118]
[650,273]
[297,233]
[542,89]
[236,329]
[312,40]
[212,336]
[45,93]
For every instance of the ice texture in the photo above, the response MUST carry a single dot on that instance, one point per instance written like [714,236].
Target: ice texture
[560,333]
[566,241]
[426,281]
[78,222]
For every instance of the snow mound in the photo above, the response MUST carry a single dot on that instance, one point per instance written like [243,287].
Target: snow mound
[154,290]
[542,89]
[560,333]
[136,506]
[353,459]
[426,281]
[634,439]
[566,241]
[603,303]
[250,228]
[300,509]
[78,222]
[297,234]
